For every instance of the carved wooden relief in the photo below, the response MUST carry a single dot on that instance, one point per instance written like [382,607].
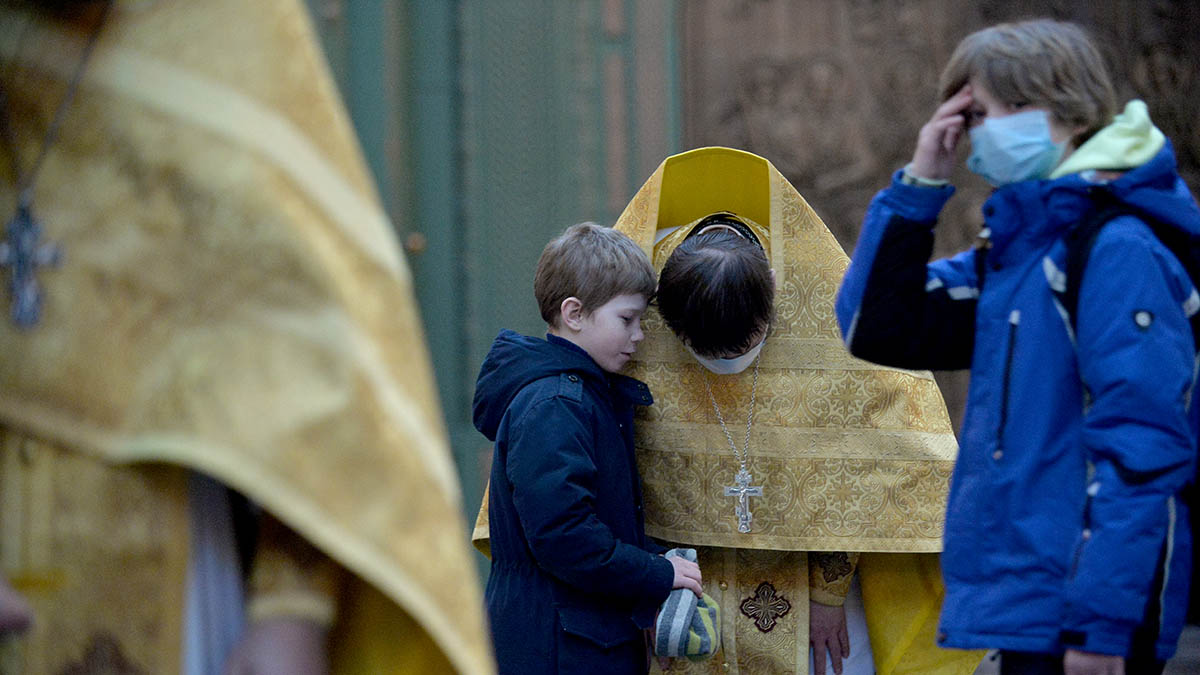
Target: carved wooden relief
[834,93]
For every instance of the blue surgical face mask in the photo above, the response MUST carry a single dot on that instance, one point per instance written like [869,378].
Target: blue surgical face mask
[1014,148]
[730,366]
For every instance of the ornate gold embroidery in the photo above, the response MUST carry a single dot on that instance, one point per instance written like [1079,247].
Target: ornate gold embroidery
[730,577]
[765,606]
[852,456]
[830,576]
[833,566]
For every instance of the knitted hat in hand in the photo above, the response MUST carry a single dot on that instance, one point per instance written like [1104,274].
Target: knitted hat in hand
[687,626]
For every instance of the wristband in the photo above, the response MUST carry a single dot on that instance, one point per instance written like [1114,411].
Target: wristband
[909,178]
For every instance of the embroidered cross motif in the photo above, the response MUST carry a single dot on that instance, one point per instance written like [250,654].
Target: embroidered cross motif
[23,252]
[834,566]
[765,607]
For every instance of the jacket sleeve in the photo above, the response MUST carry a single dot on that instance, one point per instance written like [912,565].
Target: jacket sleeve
[553,480]
[830,575]
[1136,363]
[894,308]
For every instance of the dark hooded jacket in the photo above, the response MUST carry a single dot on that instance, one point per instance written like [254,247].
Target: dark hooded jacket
[574,579]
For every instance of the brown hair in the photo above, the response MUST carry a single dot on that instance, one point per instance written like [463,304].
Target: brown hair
[716,293]
[1043,63]
[592,263]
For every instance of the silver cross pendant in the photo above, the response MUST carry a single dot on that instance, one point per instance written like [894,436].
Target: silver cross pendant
[22,253]
[743,490]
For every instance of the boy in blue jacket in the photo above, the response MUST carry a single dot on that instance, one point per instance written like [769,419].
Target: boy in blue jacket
[1066,545]
[574,579]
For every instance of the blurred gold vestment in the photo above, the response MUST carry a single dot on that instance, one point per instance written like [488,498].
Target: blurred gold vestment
[232,301]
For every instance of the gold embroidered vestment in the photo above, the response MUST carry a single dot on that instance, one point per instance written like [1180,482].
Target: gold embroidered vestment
[852,457]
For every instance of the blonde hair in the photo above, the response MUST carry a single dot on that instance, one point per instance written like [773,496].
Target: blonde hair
[1042,63]
[592,263]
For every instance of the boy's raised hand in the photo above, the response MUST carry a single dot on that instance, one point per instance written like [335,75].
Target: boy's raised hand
[937,142]
[687,575]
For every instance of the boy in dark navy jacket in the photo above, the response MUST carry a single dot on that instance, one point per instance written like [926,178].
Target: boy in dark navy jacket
[574,580]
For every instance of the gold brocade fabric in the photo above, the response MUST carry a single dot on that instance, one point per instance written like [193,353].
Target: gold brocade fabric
[79,539]
[231,297]
[764,597]
[764,611]
[830,574]
[851,456]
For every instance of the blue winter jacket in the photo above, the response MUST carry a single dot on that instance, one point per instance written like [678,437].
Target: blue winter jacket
[1065,525]
[574,578]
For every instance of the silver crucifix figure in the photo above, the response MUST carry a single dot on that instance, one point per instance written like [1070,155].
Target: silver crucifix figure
[23,252]
[743,490]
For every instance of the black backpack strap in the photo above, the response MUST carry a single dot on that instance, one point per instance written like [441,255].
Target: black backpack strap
[1081,238]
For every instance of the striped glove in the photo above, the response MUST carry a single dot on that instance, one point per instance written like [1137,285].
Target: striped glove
[687,626]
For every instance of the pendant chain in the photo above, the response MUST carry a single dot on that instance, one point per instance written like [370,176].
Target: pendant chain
[25,180]
[744,457]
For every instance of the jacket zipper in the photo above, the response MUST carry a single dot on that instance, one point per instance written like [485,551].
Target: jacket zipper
[1085,533]
[1013,320]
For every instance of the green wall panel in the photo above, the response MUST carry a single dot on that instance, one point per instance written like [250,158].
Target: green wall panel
[366,44]
[490,126]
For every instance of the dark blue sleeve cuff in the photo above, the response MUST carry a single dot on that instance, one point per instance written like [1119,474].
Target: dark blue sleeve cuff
[916,202]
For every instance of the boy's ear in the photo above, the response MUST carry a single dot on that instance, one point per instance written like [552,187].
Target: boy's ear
[571,313]
[774,282]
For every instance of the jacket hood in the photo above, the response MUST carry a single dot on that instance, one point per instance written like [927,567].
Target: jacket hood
[514,361]
[1149,181]
[1157,189]
[1131,140]
[1042,210]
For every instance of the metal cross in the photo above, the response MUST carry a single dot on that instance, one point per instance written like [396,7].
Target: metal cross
[743,490]
[22,252]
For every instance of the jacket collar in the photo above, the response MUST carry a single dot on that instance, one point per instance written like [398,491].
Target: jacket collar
[1031,214]
[627,388]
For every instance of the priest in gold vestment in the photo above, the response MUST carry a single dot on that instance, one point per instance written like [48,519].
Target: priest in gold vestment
[852,460]
[229,311]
